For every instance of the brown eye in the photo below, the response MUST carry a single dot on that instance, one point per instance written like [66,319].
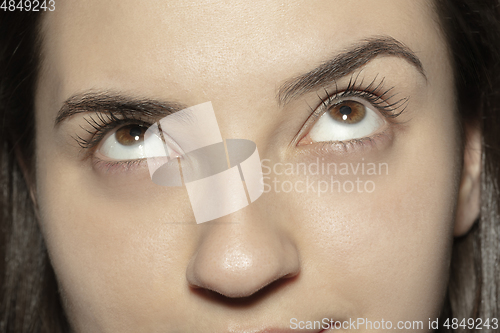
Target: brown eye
[130,134]
[348,112]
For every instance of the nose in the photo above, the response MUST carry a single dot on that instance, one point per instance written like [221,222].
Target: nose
[236,259]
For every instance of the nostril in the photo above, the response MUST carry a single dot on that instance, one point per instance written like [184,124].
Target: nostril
[236,275]
[243,301]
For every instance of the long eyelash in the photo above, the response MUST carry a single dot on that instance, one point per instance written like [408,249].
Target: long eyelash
[375,93]
[102,123]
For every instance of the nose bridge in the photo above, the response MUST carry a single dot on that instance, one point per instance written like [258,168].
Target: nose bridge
[236,259]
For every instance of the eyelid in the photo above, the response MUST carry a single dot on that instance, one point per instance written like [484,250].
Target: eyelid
[101,125]
[375,93]
[383,100]
[389,111]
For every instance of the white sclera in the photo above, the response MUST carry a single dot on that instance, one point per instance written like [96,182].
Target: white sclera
[328,129]
[111,148]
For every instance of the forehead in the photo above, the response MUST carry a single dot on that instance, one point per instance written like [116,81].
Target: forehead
[179,45]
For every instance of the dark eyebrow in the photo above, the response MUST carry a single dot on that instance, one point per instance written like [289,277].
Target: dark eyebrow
[345,63]
[117,104]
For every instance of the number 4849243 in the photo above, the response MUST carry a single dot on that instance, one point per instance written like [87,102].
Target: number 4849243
[28,5]
[471,323]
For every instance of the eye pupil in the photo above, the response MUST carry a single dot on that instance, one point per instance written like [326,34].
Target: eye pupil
[130,134]
[345,110]
[135,132]
[348,112]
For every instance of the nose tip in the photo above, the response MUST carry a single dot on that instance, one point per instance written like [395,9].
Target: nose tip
[237,262]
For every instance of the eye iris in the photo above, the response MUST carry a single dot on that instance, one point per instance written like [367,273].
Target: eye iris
[130,134]
[349,112]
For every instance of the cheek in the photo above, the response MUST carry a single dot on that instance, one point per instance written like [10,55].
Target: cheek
[113,243]
[383,241]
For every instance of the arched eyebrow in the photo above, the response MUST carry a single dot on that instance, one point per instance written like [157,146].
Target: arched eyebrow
[345,63]
[334,69]
[115,103]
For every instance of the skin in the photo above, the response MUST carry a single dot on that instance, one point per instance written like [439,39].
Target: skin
[128,254]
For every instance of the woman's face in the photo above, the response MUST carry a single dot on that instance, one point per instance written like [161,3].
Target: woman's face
[362,89]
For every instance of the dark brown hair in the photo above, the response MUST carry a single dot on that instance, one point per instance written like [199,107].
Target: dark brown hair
[29,298]
[472,30]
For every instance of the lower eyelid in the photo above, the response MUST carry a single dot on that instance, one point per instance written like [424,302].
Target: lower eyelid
[378,141]
[119,167]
